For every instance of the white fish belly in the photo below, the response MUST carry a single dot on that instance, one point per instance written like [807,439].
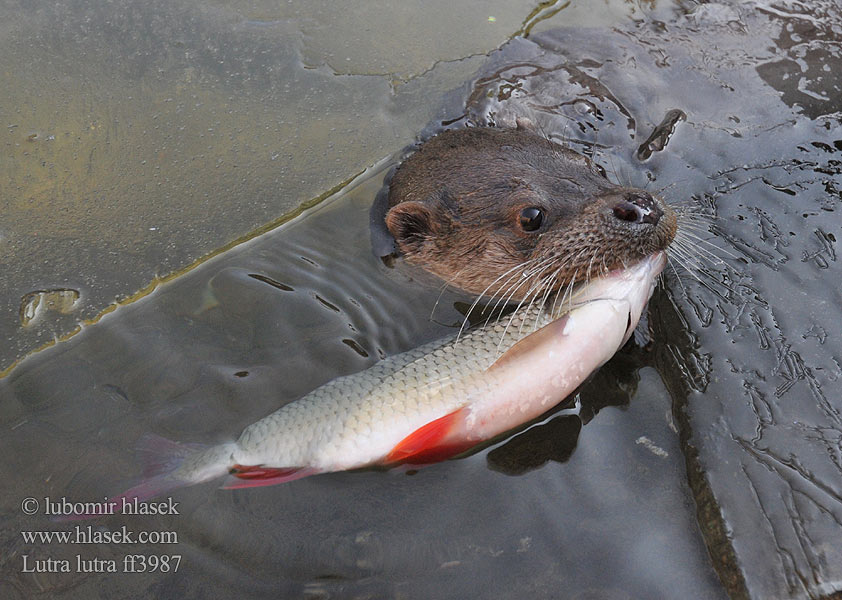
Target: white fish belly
[358,419]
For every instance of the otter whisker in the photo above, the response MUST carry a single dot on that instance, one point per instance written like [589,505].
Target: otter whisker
[507,292]
[506,299]
[685,250]
[553,147]
[527,276]
[517,313]
[443,289]
[688,235]
[626,178]
[696,227]
[687,264]
[520,272]
[541,296]
[590,265]
[532,287]
[684,258]
[677,278]
[533,291]
[553,312]
[568,293]
[578,256]
[695,210]
[691,259]
[542,285]
[688,216]
[550,281]
[663,189]
[571,290]
[692,254]
[561,294]
[514,271]
[709,286]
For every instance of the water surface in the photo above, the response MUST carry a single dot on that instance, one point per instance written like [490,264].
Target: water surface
[595,500]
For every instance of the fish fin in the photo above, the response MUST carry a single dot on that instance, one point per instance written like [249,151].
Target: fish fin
[161,459]
[537,338]
[146,489]
[158,455]
[429,443]
[258,475]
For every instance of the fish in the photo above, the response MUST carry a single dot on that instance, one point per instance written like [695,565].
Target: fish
[427,404]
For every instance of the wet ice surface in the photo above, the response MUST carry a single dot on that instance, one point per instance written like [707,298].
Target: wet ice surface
[757,377]
[139,136]
[747,363]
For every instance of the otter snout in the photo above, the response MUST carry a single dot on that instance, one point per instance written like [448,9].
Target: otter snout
[638,207]
[508,212]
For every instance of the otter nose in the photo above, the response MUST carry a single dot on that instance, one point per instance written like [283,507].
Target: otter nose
[638,207]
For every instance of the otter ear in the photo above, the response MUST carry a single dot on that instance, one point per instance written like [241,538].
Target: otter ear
[411,224]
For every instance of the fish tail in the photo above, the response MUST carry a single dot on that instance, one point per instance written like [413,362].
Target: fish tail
[168,465]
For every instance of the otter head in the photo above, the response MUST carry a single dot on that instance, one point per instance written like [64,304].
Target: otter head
[506,212]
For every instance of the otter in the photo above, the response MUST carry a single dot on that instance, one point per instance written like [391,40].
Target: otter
[490,209]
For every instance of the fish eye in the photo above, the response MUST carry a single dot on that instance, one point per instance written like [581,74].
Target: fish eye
[531,218]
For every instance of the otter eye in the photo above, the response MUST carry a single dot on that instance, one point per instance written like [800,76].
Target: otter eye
[531,218]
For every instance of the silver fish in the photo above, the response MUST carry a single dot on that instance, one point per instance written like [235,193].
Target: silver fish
[429,403]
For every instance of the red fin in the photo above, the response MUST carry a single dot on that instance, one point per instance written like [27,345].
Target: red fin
[258,475]
[429,443]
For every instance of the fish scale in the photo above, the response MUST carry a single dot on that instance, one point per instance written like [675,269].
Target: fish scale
[425,404]
[404,391]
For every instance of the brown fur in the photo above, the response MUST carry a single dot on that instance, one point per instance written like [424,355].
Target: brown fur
[455,209]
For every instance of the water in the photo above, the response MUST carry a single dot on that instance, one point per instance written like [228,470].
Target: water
[593,502]
[261,325]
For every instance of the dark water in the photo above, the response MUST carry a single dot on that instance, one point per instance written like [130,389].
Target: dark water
[596,501]
[755,369]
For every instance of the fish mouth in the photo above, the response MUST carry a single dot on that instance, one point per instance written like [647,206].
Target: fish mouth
[642,273]
[653,264]
[632,284]
[655,261]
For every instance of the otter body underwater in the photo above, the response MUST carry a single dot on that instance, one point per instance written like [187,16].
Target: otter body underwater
[498,212]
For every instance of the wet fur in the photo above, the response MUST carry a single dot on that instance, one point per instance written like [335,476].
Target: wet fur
[455,207]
